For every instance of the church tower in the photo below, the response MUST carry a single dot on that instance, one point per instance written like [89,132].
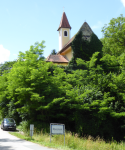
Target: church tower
[64,31]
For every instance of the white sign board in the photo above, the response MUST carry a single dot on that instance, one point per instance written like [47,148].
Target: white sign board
[31,126]
[57,129]
[31,129]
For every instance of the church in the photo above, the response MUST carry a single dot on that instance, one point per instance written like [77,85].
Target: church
[65,52]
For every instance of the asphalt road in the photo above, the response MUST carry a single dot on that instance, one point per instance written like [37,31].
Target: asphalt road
[10,142]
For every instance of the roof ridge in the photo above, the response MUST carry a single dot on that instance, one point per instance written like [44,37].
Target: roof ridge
[57,58]
[64,23]
[85,23]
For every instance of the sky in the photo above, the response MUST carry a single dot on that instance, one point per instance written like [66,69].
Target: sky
[24,22]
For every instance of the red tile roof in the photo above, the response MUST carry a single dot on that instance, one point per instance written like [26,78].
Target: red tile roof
[64,22]
[57,58]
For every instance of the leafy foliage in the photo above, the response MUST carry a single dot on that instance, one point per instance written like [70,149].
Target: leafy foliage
[89,101]
[53,52]
[6,67]
[114,37]
[84,49]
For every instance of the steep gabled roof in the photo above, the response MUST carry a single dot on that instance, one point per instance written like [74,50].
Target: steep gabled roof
[56,59]
[84,27]
[64,22]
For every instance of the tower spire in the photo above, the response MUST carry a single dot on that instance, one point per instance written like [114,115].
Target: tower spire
[64,31]
[64,22]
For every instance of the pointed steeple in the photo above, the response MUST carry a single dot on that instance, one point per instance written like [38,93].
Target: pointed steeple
[64,22]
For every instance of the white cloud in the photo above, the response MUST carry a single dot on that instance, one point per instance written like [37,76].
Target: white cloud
[123,2]
[4,54]
[98,25]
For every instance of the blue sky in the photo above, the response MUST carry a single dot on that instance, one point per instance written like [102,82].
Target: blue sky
[24,22]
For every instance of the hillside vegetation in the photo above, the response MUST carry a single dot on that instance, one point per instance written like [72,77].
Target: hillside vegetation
[89,101]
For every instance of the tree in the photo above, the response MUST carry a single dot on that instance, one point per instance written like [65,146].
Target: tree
[6,67]
[89,101]
[35,51]
[114,37]
[53,52]
[31,87]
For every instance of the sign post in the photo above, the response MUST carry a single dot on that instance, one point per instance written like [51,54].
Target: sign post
[56,128]
[31,130]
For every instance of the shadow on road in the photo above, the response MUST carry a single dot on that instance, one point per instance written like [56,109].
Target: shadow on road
[9,140]
[6,148]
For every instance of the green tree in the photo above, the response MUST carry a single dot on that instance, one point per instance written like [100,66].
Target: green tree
[114,37]
[6,66]
[3,95]
[32,86]
[89,101]
[53,52]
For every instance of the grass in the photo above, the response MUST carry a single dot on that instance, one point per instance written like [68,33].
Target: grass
[72,142]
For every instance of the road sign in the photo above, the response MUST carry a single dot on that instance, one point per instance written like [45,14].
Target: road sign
[57,128]
[31,129]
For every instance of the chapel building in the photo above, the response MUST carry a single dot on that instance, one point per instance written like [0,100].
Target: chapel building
[65,52]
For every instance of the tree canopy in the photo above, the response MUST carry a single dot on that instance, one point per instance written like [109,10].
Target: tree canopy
[114,36]
[89,101]
[53,52]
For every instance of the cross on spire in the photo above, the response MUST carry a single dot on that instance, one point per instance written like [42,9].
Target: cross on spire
[63,8]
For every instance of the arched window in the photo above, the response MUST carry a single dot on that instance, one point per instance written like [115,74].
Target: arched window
[65,33]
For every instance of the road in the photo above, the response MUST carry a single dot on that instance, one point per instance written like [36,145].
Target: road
[10,142]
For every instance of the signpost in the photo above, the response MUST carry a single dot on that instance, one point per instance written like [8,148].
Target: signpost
[31,130]
[56,128]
